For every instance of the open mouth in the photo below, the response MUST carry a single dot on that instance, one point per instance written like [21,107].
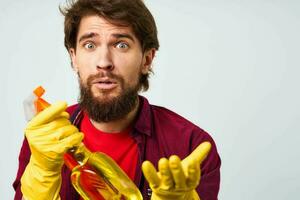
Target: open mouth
[105,84]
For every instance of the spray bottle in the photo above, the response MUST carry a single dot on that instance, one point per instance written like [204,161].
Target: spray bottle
[94,175]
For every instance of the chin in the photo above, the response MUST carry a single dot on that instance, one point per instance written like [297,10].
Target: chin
[105,95]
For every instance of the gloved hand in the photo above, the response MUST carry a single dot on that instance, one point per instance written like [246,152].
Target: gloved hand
[50,134]
[176,179]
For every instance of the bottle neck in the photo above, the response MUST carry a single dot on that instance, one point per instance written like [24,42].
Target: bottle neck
[70,162]
[76,156]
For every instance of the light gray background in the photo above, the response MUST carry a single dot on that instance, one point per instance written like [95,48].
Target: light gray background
[232,67]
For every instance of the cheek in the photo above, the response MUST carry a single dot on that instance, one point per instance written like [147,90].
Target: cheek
[84,67]
[83,75]
[130,72]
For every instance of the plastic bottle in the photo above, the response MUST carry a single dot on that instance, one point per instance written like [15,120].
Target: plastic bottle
[95,176]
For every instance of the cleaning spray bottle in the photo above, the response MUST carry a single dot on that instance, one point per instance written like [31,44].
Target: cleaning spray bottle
[94,175]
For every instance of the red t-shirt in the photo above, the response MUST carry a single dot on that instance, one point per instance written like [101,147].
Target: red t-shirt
[119,146]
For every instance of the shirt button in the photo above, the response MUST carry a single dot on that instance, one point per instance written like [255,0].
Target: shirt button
[149,192]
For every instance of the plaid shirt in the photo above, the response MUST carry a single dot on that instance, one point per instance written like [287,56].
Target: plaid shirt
[158,133]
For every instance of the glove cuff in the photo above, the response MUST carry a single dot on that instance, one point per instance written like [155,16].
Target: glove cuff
[37,183]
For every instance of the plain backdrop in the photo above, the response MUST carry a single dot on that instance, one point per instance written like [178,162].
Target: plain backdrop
[231,67]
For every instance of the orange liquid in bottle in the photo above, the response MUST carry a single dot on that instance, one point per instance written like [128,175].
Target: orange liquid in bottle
[88,183]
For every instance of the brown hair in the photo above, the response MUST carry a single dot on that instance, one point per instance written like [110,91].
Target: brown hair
[131,13]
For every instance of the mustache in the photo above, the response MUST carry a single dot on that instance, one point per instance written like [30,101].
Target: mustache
[109,75]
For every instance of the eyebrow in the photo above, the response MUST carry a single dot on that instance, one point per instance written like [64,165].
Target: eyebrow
[87,36]
[115,35]
[123,35]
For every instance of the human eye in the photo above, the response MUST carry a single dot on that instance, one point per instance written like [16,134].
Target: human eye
[122,45]
[89,45]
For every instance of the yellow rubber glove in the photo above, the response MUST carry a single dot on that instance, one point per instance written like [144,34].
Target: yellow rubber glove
[176,179]
[50,134]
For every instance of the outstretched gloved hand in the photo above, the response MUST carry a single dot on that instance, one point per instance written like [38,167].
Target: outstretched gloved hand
[176,179]
[50,134]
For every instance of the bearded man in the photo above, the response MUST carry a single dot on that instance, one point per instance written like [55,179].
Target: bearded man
[112,44]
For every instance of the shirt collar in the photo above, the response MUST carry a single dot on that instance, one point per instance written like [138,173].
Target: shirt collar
[143,122]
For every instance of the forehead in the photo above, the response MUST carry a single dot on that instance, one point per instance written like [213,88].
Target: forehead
[101,26]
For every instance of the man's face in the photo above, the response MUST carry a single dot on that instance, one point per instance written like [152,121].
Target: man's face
[109,60]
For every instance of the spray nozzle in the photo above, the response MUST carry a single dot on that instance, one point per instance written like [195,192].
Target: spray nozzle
[34,104]
[40,104]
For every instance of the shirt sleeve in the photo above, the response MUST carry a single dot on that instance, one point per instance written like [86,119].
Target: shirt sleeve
[209,186]
[24,157]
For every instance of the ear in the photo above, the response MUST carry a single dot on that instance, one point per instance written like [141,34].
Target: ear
[72,54]
[147,60]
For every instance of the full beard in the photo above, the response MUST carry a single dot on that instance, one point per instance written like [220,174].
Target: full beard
[111,109]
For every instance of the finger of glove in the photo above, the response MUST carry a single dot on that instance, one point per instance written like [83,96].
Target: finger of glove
[165,174]
[67,143]
[64,132]
[150,174]
[193,176]
[45,131]
[65,115]
[48,114]
[177,172]
[56,143]
[198,155]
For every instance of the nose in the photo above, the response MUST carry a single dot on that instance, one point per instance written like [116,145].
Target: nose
[105,60]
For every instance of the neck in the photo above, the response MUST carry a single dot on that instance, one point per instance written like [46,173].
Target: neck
[117,125]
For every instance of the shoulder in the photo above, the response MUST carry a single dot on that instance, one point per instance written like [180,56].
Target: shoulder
[173,126]
[170,118]
[165,113]
[182,133]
